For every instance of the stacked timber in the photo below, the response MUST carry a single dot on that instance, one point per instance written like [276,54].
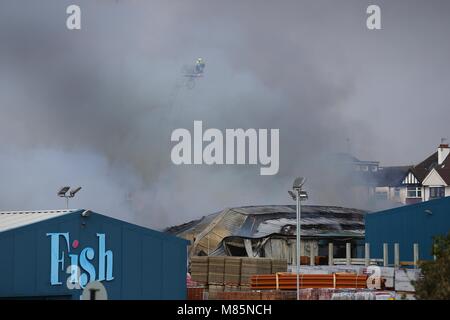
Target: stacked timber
[214,291]
[216,270]
[199,269]
[256,295]
[253,266]
[278,266]
[232,288]
[232,271]
[245,295]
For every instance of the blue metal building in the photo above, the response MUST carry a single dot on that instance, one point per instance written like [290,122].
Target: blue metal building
[58,254]
[406,225]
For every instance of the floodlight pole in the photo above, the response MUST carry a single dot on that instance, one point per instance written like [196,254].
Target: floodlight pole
[63,194]
[298,242]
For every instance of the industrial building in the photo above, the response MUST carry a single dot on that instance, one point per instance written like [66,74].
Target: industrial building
[269,231]
[73,254]
[408,225]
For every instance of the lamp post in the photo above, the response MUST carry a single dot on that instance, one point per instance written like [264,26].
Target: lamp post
[298,195]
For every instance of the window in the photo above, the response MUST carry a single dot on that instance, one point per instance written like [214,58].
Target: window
[437,192]
[414,192]
[397,192]
[374,168]
[365,168]
[381,195]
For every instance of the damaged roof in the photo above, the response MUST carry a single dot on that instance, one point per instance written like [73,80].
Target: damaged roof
[263,221]
[315,220]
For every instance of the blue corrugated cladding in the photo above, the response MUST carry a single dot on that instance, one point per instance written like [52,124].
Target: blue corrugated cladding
[147,264]
[406,225]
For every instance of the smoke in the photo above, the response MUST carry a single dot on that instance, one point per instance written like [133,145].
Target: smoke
[96,107]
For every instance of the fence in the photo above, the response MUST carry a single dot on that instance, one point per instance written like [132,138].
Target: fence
[367,260]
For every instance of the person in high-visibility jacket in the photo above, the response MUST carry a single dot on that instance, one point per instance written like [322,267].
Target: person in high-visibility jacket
[199,66]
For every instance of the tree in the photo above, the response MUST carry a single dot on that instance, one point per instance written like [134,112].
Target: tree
[434,284]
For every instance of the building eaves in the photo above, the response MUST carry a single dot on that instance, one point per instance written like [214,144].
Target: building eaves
[16,219]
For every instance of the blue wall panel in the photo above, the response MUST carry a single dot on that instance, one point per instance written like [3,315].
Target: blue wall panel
[152,253]
[146,264]
[406,225]
[7,264]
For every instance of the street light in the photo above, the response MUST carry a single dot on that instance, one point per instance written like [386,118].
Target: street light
[298,195]
[63,193]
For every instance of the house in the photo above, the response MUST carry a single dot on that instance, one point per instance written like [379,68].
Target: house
[388,185]
[356,179]
[428,180]
[355,164]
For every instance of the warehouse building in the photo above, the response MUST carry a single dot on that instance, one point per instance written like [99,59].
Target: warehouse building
[269,231]
[407,225]
[80,254]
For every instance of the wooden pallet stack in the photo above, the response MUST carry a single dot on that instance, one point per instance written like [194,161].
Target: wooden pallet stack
[232,271]
[199,269]
[214,291]
[256,295]
[238,295]
[253,266]
[216,270]
[278,266]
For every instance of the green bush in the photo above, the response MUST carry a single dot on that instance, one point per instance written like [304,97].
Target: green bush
[434,283]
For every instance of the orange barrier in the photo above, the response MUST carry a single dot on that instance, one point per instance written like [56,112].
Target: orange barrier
[288,281]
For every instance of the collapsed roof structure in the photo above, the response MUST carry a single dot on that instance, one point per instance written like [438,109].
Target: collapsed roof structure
[269,231]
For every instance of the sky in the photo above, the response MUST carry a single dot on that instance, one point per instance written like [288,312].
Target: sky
[95,107]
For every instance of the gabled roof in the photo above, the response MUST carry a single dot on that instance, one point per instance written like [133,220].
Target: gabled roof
[422,170]
[393,176]
[433,179]
[15,219]
[10,220]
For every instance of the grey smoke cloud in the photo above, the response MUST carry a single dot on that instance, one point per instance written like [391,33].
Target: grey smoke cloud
[96,107]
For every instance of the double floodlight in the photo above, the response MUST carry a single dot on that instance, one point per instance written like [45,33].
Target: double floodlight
[63,192]
[298,183]
[303,195]
[66,192]
[297,189]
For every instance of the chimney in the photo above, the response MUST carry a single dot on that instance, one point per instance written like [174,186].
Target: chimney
[443,152]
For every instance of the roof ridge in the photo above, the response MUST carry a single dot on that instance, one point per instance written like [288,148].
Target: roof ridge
[37,211]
